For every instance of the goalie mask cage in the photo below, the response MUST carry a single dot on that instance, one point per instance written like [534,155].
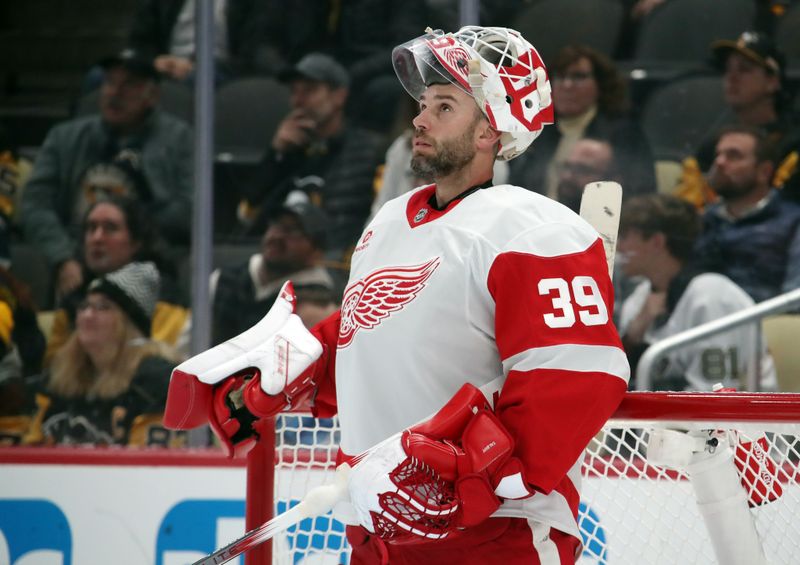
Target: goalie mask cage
[632,511]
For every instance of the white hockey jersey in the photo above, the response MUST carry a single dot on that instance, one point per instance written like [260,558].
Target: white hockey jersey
[503,285]
[725,358]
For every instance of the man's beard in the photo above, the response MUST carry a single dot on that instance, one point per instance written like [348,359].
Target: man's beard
[728,188]
[283,267]
[451,155]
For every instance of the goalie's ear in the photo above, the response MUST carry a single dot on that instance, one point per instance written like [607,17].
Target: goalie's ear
[486,137]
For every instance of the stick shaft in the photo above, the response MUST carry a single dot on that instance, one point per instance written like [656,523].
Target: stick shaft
[254,537]
[600,206]
[316,502]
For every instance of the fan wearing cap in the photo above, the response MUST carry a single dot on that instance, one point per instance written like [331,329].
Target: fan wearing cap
[315,150]
[455,285]
[107,383]
[128,148]
[756,95]
[292,247]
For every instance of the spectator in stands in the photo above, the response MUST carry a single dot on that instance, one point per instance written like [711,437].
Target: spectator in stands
[166,30]
[14,172]
[753,234]
[129,148]
[22,345]
[117,231]
[292,247]
[589,100]
[108,383]
[359,34]
[756,94]
[316,152]
[657,232]
[635,11]
[589,160]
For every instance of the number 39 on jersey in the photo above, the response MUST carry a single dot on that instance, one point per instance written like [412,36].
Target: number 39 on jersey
[577,299]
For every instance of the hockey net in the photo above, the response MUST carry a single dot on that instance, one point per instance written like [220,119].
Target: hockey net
[632,511]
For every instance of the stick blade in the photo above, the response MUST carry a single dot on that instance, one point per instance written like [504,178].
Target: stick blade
[600,206]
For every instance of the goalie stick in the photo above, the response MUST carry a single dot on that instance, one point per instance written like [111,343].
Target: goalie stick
[318,501]
[600,206]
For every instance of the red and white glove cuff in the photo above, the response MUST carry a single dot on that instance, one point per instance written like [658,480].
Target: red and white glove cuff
[276,351]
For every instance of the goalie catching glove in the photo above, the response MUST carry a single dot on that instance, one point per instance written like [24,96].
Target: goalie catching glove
[448,473]
[250,376]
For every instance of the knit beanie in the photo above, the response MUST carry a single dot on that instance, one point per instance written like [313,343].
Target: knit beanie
[134,288]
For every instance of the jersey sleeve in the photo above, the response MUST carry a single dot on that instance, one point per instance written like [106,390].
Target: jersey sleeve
[324,397]
[566,371]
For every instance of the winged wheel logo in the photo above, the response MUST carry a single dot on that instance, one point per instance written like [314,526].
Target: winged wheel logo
[372,299]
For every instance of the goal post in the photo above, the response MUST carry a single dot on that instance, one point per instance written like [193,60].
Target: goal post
[654,488]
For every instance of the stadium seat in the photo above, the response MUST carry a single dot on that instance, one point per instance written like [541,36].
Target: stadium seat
[677,115]
[247,112]
[781,333]
[596,24]
[233,254]
[668,175]
[29,265]
[678,33]
[45,319]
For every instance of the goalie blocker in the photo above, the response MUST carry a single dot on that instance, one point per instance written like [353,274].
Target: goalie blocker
[256,374]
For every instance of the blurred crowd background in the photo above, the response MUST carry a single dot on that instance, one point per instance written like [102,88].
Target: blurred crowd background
[311,135]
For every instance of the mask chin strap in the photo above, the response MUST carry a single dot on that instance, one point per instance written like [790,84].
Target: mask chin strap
[543,88]
[475,79]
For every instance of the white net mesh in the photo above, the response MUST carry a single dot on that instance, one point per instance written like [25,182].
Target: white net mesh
[632,512]
[635,512]
[305,458]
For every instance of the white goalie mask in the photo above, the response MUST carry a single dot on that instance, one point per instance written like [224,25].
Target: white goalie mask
[494,65]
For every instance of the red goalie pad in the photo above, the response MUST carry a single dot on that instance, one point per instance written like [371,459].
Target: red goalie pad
[757,471]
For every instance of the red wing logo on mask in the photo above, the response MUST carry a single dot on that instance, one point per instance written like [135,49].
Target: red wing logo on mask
[453,58]
[368,301]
